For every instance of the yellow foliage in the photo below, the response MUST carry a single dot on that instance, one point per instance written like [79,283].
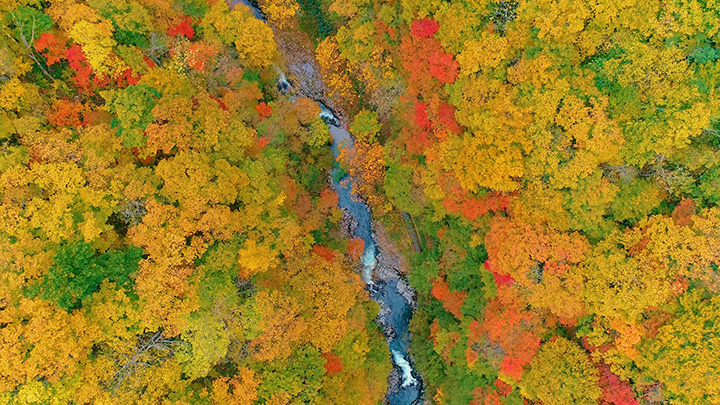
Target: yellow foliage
[485,53]
[280,12]
[255,258]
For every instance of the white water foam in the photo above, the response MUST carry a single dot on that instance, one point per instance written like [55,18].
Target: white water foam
[369,262]
[327,115]
[400,361]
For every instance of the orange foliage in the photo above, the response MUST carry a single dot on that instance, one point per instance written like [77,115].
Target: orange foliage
[683,212]
[512,367]
[355,248]
[328,198]
[515,247]
[452,300]
[263,110]
[65,113]
[54,47]
[333,363]
[324,252]
[514,327]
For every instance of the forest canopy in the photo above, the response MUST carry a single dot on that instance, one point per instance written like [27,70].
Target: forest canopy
[545,171]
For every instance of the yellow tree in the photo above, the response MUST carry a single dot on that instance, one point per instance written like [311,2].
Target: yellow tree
[682,355]
[561,373]
[253,39]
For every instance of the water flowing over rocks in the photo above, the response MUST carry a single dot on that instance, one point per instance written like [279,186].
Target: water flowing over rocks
[382,265]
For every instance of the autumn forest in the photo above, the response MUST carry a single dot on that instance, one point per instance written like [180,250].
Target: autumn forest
[360,202]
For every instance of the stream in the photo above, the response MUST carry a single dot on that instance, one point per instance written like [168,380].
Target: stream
[389,289]
[384,283]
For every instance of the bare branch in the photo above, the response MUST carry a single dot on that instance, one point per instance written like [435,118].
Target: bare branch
[31,52]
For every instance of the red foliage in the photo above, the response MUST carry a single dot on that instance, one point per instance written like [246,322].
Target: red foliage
[333,363]
[182,28]
[78,63]
[452,300]
[324,252]
[446,116]
[55,49]
[424,28]
[503,387]
[220,103]
[421,116]
[263,110]
[500,279]
[126,78]
[614,390]
[355,248]
[65,113]
[148,61]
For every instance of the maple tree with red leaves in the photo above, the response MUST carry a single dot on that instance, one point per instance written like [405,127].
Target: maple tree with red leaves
[424,28]
[183,28]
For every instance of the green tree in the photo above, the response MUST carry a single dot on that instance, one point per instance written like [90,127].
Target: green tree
[132,107]
[78,272]
[299,377]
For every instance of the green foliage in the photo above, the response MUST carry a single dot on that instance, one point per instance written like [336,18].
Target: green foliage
[300,376]
[635,200]
[78,272]
[425,270]
[399,188]
[132,107]
[315,19]
[125,37]
[28,23]
[365,126]
[461,382]
[194,8]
